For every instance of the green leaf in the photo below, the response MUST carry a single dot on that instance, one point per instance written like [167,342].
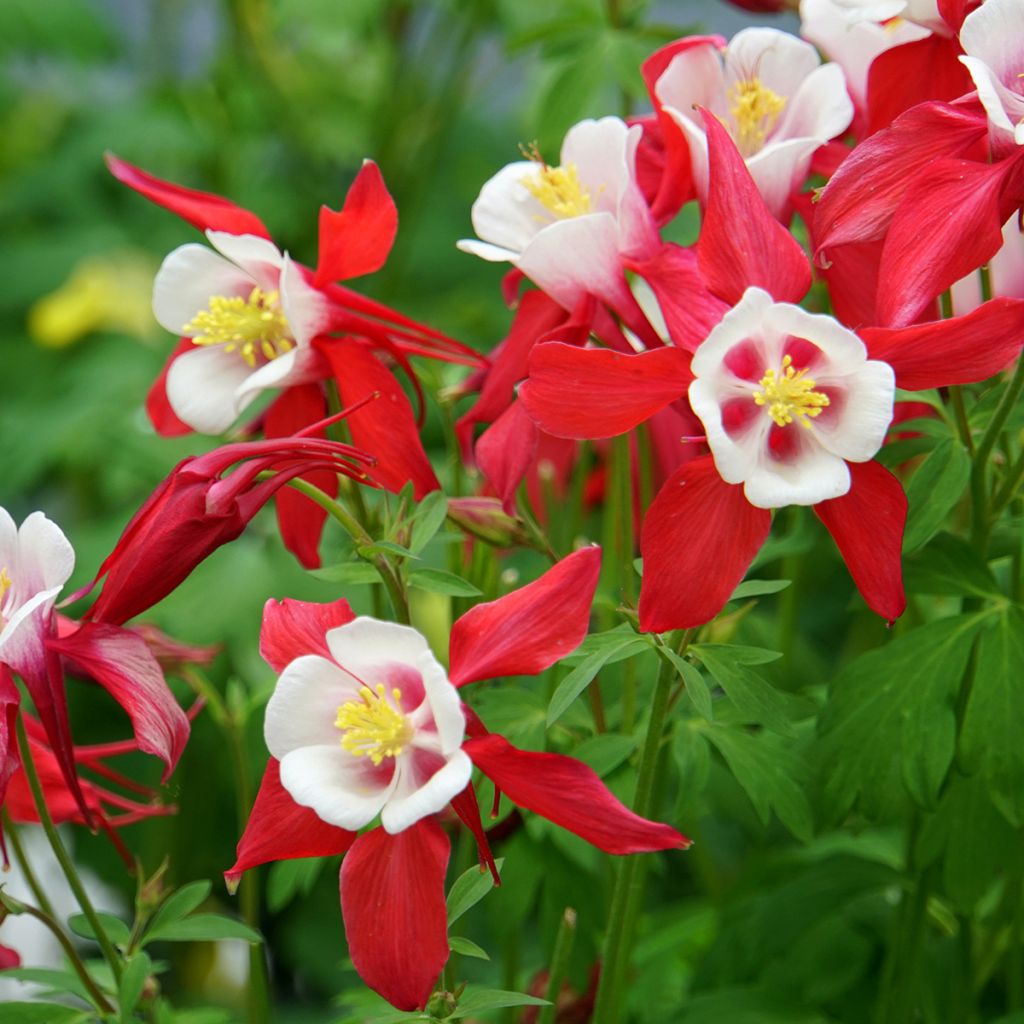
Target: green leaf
[771,773]
[180,903]
[203,927]
[696,686]
[442,582]
[890,715]
[427,520]
[693,759]
[55,981]
[604,753]
[755,699]
[948,565]
[290,878]
[386,547]
[737,653]
[609,638]
[476,1000]
[465,947]
[583,675]
[43,1013]
[467,890]
[133,981]
[991,737]
[935,488]
[756,588]
[572,92]
[350,573]
[116,929]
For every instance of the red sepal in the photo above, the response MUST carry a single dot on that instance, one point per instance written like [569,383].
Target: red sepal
[279,829]
[466,807]
[699,537]
[570,794]
[528,630]
[202,210]
[293,628]
[9,759]
[164,419]
[741,243]
[392,899]
[963,350]
[595,392]
[356,239]
[867,525]
[506,451]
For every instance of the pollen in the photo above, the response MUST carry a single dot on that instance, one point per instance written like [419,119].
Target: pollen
[789,395]
[558,189]
[5,585]
[755,108]
[374,726]
[255,327]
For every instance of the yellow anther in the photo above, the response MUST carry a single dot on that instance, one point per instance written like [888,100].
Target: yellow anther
[5,584]
[255,327]
[557,188]
[789,395]
[755,108]
[374,727]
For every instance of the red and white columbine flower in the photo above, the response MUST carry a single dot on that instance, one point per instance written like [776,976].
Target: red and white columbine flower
[770,90]
[365,721]
[787,399]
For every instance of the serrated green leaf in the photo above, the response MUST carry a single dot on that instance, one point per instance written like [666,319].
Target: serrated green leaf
[991,736]
[604,753]
[180,903]
[350,573]
[117,931]
[441,582]
[935,488]
[465,947]
[754,698]
[948,565]
[756,588]
[696,687]
[428,518]
[203,928]
[583,675]
[771,773]
[872,732]
[133,981]
[467,890]
[476,1000]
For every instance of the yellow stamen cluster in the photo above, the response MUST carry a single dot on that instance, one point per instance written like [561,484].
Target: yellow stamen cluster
[255,327]
[373,727]
[790,396]
[5,584]
[557,188]
[755,108]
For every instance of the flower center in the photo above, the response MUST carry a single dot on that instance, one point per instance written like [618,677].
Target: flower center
[556,188]
[254,327]
[373,727]
[790,395]
[755,109]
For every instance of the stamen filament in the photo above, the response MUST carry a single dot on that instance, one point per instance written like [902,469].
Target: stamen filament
[790,396]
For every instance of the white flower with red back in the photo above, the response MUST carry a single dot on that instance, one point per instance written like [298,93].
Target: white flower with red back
[787,398]
[251,315]
[376,729]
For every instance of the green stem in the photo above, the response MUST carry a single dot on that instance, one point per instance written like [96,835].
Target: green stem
[628,889]
[11,832]
[61,853]
[956,397]
[559,965]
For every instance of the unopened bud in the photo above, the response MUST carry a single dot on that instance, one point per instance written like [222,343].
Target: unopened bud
[485,519]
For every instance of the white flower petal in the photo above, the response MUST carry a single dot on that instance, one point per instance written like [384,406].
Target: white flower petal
[844,350]
[202,386]
[820,108]
[414,798]
[814,475]
[505,213]
[258,257]
[186,281]
[486,251]
[304,306]
[778,60]
[994,34]
[997,100]
[741,322]
[858,431]
[45,556]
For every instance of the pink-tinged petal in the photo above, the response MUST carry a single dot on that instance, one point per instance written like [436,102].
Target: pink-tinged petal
[741,243]
[963,350]
[201,209]
[293,628]
[867,525]
[158,407]
[860,200]
[123,665]
[595,392]
[689,309]
[570,794]
[386,427]
[279,829]
[306,307]
[426,784]
[356,239]
[506,451]
[300,519]
[528,630]
[950,222]
[392,900]
[699,537]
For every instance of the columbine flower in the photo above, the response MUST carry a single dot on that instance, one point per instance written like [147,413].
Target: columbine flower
[366,722]
[778,102]
[921,12]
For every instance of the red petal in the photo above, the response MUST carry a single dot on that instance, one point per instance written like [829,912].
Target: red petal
[279,829]
[9,760]
[466,807]
[741,243]
[949,223]
[963,350]
[123,665]
[300,519]
[570,794]
[699,538]
[201,209]
[386,428]
[594,392]
[392,899]
[505,452]
[164,419]
[293,628]
[867,525]
[357,239]
[524,632]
